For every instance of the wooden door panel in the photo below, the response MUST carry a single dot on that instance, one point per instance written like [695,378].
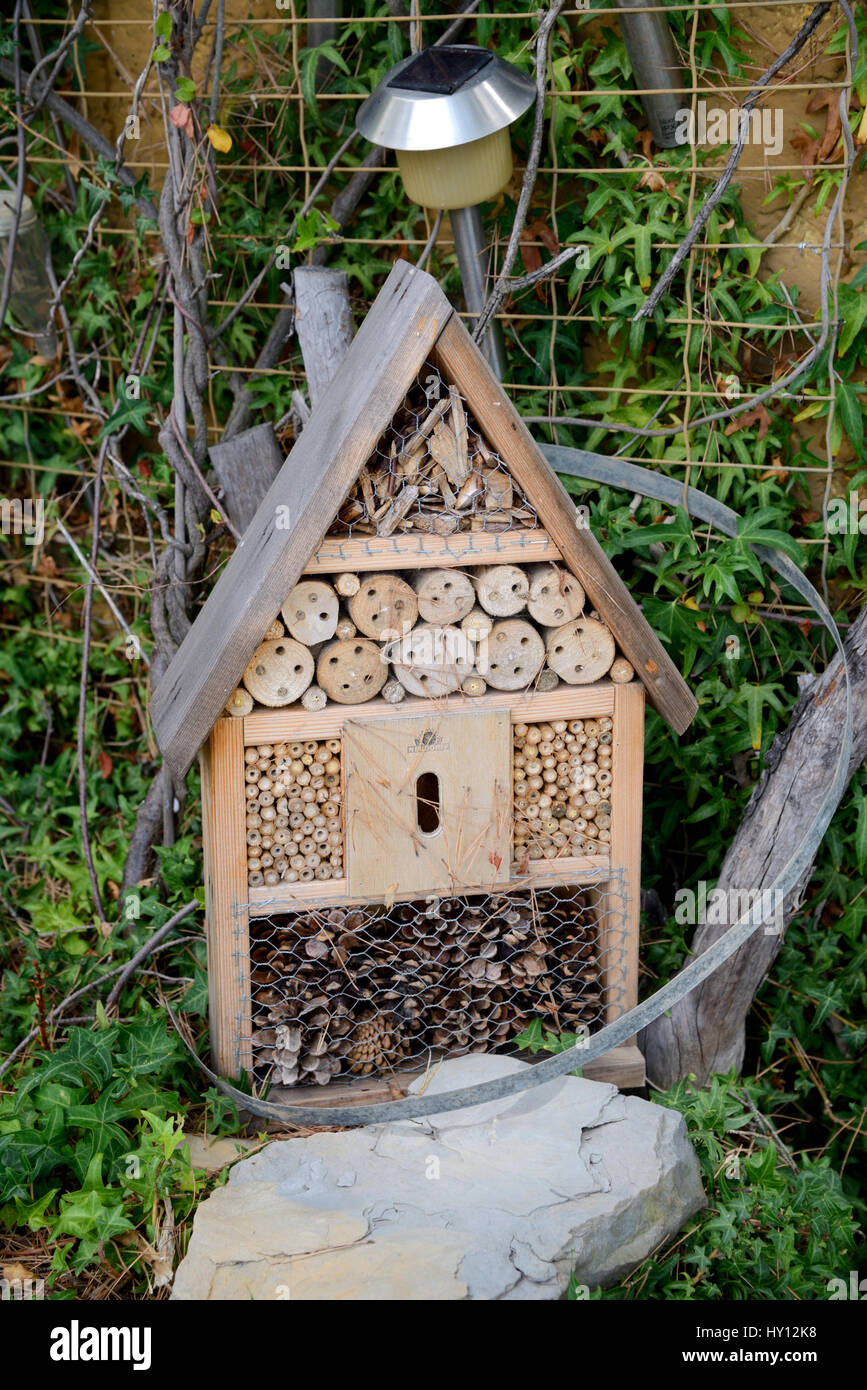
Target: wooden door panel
[428,802]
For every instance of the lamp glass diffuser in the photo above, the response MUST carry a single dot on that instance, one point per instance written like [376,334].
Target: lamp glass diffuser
[30,291]
[458,177]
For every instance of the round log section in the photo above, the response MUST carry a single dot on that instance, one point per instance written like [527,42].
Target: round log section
[239,703]
[351,671]
[432,661]
[279,672]
[311,612]
[347,585]
[502,589]
[555,596]
[384,604]
[622,671]
[581,651]
[515,654]
[444,596]
[477,624]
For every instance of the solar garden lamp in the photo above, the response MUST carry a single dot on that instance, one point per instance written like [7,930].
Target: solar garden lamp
[446,112]
[655,64]
[30,290]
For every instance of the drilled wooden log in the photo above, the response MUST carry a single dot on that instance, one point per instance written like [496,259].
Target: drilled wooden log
[444,596]
[555,595]
[279,672]
[385,604]
[351,672]
[515,654]
[311,612]
[432,661]
[621,671]
[581,651]
[502,589]
[239,703]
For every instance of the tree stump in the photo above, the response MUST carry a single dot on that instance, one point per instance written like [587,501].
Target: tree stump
[515,654]
[502,589]
[432,661]
[279,672]
[351,671]
[581,651]
[555,596]
[384,603]
[311,612]
[444,596]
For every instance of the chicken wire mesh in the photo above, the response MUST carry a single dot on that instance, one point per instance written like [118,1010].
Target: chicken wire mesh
[366,990]
[432,473]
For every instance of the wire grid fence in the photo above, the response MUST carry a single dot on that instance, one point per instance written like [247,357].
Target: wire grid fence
[433,473]
[364,991]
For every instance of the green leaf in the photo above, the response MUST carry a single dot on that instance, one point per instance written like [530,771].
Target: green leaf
[861,833]
[163,26]
[185,90]
[852,419]
[161,53]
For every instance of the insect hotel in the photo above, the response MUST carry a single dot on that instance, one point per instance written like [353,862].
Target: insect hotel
[417,693]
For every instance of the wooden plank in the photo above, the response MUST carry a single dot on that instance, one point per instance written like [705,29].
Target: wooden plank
[622,1066]
[541,874]
[621,928]
[246,467]
[428,803]
[365,554]
[323,322]
[385,356]
[568,701]
[462,363]
[227,925]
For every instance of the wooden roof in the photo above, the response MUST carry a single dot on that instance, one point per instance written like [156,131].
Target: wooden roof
[410,321]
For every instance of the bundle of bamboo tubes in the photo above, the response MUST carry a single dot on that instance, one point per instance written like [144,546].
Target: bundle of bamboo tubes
[294,820]
[562,789]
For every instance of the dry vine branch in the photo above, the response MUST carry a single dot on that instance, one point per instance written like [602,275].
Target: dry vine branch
[503,284]
[809,26]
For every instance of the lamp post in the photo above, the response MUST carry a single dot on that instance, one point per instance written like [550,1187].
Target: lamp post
[446,112]
[656,65]
[30,290]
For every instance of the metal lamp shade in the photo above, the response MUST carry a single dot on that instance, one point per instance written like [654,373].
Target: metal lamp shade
[446,111]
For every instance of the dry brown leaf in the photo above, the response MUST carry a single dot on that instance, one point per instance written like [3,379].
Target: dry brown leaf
[758,416]
[105,764]
[833,124]
[808,149]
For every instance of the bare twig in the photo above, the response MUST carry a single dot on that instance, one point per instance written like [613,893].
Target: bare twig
[502,284]
[82,692]
[144,951]
[810,24]
[85,564]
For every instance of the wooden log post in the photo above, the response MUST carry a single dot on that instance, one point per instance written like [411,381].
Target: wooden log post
[246,466]
[323,322]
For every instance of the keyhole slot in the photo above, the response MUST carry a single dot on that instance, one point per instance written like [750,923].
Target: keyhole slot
[427,803]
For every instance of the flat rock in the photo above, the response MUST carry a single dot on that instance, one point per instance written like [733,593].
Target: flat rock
[502,1200]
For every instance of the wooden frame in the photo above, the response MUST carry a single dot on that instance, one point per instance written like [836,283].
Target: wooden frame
[231,903]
